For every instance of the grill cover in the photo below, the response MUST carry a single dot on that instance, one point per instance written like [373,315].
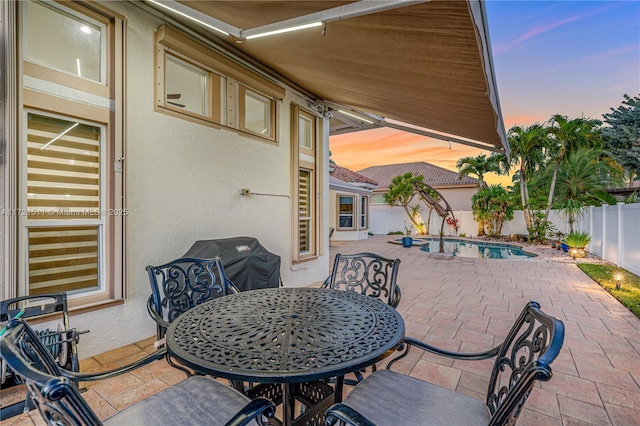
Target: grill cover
[246,262]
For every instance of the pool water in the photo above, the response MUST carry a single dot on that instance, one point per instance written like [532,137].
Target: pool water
[474,249]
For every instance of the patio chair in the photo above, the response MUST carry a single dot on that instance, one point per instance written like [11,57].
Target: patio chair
[387,397]
[198,400]
[60,340]
[366,273]
[369,274]
[181,284]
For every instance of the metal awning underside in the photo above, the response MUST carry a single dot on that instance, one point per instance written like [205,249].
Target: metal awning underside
[426,64]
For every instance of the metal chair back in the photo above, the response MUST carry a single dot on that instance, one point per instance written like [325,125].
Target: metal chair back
[525,356]
[181,284]
[366,273]
[56,397]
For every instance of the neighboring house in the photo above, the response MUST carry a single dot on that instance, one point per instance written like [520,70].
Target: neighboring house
[385,219]
[349,199]
[132,129]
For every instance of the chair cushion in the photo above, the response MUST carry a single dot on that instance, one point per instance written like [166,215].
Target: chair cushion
[388,398]
[197,400]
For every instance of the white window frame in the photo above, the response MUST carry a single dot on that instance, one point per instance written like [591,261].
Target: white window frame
[52,91]
[235,80]
[83,18]
[24,223]
[305,159]
[354,212]
[363,214]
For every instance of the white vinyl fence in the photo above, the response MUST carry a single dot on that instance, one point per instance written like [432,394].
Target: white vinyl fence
[615,234]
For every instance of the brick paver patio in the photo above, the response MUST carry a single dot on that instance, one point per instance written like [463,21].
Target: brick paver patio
[468,305]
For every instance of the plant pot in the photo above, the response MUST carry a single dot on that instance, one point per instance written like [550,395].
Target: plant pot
[577,252]
[407,241]
[565,248]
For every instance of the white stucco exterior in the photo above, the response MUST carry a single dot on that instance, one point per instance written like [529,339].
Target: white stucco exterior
[182,184]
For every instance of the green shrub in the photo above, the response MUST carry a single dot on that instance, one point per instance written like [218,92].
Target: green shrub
[577,239]
[463,234]
[396,233]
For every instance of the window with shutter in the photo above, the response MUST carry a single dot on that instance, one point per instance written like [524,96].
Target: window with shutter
[63,188]
[67,193]
[306,235]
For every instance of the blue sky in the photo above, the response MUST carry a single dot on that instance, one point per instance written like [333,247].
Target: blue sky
[572,58]
[567,57]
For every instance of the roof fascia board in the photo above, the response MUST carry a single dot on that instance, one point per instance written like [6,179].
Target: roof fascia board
[479,15]
[351,10]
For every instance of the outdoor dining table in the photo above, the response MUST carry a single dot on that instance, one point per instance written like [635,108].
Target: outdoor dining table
[290,340]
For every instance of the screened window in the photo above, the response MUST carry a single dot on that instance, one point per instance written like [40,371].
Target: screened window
[63,258]
[63,168]
[346,212]
[196,82]
[305,200]
[306,226]
[186,86]
[64,192]
[80,41]
[69,153]
[364,213]
[305,131]
[256,113]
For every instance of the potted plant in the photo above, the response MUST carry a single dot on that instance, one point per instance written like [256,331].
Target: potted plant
[407,241]
[576,243]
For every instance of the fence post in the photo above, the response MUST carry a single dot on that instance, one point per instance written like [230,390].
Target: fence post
[590,225]
[620,234]
[604,230]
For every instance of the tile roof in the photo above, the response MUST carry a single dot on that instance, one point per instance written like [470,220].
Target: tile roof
[433,175]
[347,175]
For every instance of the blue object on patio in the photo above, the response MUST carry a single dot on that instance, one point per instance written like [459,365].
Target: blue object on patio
[197,400]
[390,398]
[565,248]
[366,273]
[407,241]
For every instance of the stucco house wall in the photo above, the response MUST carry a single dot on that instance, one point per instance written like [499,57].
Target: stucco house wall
[183,184]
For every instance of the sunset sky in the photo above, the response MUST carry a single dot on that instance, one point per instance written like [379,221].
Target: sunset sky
[574,58]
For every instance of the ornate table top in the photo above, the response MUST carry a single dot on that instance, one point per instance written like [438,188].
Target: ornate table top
[285,335]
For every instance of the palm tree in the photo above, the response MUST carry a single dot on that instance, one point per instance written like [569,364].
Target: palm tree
[582,180]
[569,135]
[527,146]
[479,166]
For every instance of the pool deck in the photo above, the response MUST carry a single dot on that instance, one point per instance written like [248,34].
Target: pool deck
[469,304]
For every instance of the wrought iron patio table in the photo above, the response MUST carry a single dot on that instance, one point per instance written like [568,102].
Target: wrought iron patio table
[288,339]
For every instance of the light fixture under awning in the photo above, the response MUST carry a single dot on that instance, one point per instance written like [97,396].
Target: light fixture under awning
[427,64]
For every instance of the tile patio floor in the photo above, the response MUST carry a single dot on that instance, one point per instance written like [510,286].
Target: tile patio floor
[469,305]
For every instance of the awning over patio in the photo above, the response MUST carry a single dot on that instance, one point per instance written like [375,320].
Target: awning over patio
[424,63]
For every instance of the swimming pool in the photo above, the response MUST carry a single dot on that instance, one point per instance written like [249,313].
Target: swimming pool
[473,249]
